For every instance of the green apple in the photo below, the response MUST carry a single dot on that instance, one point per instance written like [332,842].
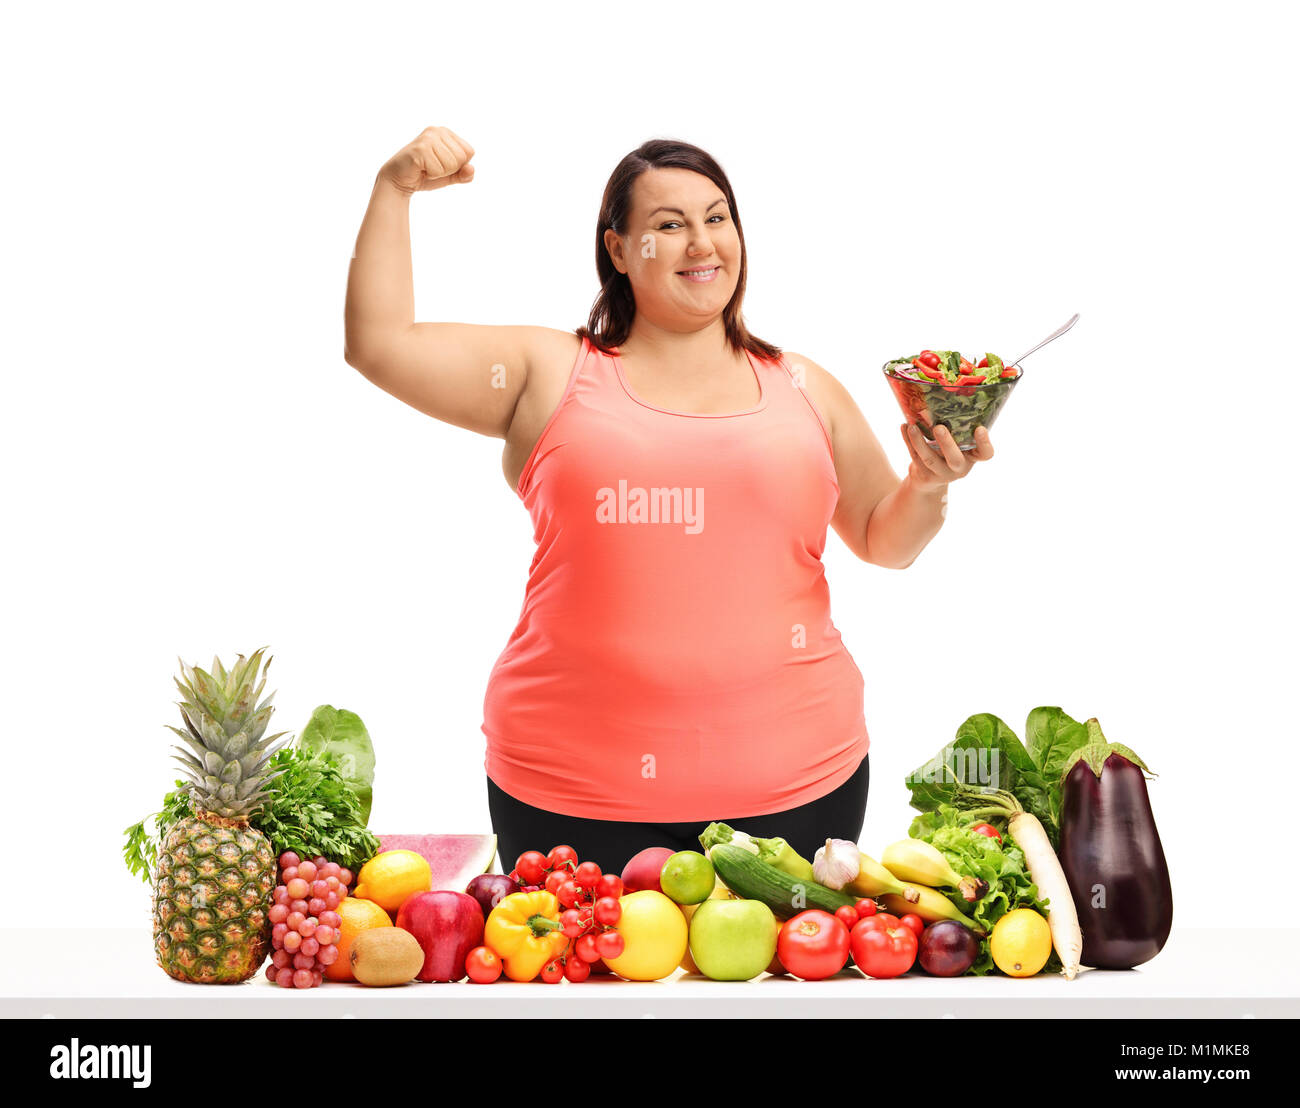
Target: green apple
[733,940]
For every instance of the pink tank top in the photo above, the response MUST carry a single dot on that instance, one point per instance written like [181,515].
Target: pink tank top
[675,658]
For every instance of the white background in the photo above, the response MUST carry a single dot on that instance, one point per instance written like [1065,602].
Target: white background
[191,468]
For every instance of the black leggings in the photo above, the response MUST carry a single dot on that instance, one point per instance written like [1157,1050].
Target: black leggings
[520,827]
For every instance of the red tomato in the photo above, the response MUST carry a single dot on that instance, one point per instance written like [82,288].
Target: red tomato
[609,944]
[847,915]
[587,875]
[610,884]
[553,971]
[986,829]
[866,907]
[482,965]
[929,359]
[607,911]
[983,363]
[576,970]
[914,922]
[882,946]
[813,945]
[562,856]
[530,867]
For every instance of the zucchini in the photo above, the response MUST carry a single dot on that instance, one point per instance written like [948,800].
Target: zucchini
[751,879]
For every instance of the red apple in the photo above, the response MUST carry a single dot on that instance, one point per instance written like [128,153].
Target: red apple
[642,870]
[447,925]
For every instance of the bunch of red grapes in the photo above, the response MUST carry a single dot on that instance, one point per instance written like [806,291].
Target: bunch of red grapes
[591,908]
[305,920]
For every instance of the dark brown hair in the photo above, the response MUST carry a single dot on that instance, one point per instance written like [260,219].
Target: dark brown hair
[611,316]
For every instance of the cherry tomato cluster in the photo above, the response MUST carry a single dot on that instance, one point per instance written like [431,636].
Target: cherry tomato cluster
[591,909]
[849,915]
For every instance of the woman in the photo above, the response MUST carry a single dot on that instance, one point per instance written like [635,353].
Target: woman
[675,660]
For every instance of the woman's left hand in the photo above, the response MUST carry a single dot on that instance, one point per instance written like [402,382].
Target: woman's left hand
[931,469]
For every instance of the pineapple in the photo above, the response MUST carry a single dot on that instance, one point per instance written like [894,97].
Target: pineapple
[215,873]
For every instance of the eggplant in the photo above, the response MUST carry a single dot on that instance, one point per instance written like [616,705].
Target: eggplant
[1111,854]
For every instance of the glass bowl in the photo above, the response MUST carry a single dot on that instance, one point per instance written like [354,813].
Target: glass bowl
[961,408]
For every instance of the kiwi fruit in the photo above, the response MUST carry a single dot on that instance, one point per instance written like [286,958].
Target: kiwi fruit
[385,956]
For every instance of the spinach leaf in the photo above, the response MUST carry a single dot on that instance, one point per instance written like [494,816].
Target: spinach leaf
[1053,736]
[986,754]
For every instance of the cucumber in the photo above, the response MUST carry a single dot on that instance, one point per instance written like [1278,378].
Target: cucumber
[751,879]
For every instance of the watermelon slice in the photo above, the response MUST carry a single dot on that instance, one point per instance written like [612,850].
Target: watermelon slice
[454,859]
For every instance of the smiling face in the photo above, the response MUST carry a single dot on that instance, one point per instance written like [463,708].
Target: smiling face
[681,250]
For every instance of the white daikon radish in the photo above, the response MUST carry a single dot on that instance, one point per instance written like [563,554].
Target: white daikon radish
[1046,871]
[1044,867]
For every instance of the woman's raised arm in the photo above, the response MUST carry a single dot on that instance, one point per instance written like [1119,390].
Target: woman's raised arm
[461,373]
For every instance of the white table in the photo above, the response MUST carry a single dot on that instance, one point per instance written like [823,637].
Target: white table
[1200,973]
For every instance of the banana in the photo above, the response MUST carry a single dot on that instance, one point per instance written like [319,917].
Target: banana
[930,904]
[873,880]
[919,863]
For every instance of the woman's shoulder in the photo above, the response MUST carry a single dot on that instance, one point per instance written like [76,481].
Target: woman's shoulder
[823,388]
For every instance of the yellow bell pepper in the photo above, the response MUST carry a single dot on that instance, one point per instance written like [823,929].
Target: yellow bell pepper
[523,930]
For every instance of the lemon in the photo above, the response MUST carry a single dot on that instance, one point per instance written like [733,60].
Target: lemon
[389,878]
[1021,943]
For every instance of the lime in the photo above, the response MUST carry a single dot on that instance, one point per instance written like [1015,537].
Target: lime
[1021,943]
[687,877]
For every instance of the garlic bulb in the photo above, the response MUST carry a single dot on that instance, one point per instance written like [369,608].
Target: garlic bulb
[837,863]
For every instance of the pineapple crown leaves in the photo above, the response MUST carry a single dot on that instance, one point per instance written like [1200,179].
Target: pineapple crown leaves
[227,700]
[225,727]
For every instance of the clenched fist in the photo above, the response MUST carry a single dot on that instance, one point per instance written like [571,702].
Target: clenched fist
[436,158]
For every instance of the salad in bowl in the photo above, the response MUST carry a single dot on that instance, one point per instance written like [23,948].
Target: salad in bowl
[940,388]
